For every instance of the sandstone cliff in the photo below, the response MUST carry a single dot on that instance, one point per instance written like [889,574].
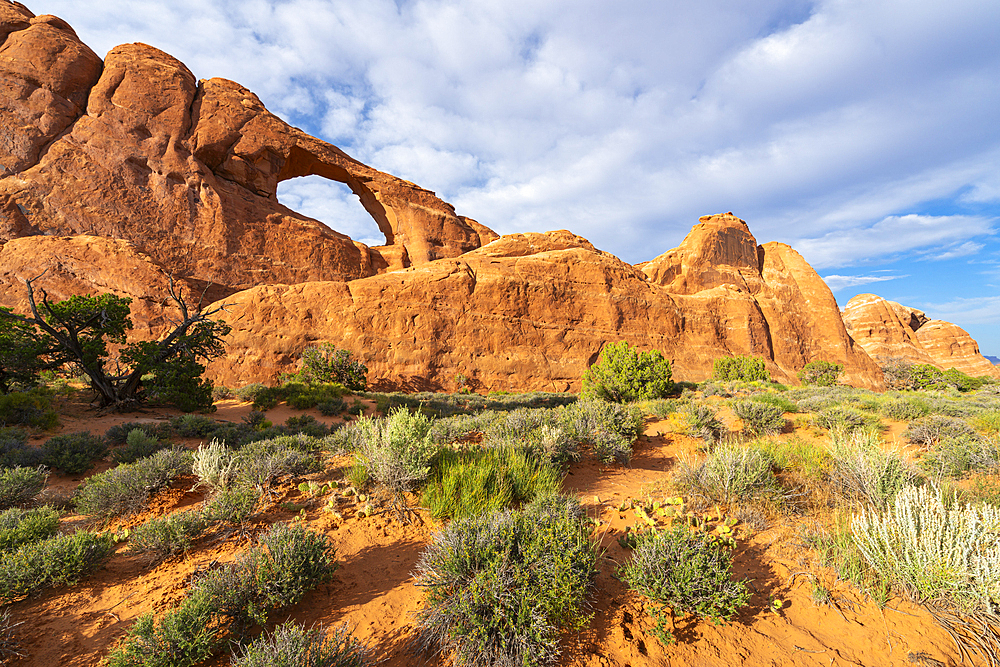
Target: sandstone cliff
[887,329]
[135,148]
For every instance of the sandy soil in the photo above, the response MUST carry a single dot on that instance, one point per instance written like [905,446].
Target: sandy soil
[373,588]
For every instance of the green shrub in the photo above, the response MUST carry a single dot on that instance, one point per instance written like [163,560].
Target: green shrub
[623,374]
[19,526]
[294,645]
[162,537]
[260,463]
[933,550]
[704,422]
[28,408]
[472,567]
[139,445]
[73,453]
[193,426]
[249,392]
[797,455]
[302,396]
[232,505]
[777,400]
[610,428]
[396,450]
[14,449]
[926,431]
[332,407]
[954,456]
[473,482]
[20,485]
[226,602]
[740,368]
[687,572]
[987,422]
[759,418]
[864,472]
[820,373]
[308,425]
[846,418]
[729,474]
[904,408]
[118,434]
[326,364]
[554,444]
[126,488]
[57,561]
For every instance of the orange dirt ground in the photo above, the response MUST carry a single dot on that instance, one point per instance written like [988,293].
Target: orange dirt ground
[373,588]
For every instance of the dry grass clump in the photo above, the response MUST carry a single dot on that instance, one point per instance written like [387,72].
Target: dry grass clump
[729,474]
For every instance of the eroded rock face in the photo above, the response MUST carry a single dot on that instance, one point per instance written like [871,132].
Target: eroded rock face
[137,149]
[886,329]
[532,311]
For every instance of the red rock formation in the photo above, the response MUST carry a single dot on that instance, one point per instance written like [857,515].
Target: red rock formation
[531,311]
[186,171]
[886,329]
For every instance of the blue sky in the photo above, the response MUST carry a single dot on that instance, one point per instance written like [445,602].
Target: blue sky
[863,133]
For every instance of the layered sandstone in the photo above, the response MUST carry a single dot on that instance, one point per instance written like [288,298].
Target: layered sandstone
[531,311]
[886,329]
[137,149]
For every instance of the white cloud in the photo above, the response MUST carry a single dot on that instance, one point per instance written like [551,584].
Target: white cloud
[837,283]
[976,310]
[963,250]
[333,204]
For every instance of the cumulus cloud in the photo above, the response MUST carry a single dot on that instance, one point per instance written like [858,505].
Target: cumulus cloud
[823,123]
[837,283]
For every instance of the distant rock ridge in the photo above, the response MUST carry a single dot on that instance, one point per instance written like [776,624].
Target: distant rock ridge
[886,329]
[116,174]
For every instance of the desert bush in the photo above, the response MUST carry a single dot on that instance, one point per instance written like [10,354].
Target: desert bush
[623,374]
[740,368]
[610,428]
[73,453]
[554,445]
[56,561]
[446,405]
[28,408]
[226,602]
[759,418]
[9,643]
[326,364]
[396,450]
[118,434]
[126,488]
[470,568]
[14,449]
[661,408]
[846,418]
[473,482]
[777,400]
[956,455]
[797,455]
[686,572]
[703,422]
[729,474]
[820,373]
[249,392]
[932,551]
[863,471]
[231,505]
[20,485]
[215,465]
[928,430]
[986,422]
[20,526]
[193,426]
[904,408]
[294,645]
[164,536]
[331,407]
[514,425]
[260,463]
[304,396]
[138,445]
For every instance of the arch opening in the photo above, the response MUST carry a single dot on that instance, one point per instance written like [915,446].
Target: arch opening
[333,204]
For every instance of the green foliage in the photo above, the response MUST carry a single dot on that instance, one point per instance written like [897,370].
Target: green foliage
[687,572]
[777,400]
[294,645]
[164,536]
[74,453]
[193,426]
[331,407]
[308,425]
[56,561]
[19,526]
[226,602]
[934,550]
[846,418]
[327,363]
[32,407]
[444,405]
[20,485]
[477,481]
[470,569]
[904,408]
[624,374]
[954,456]
[729,474]
[926,431]
[610,428]
[704,422]
[125,489]
[821,373]
[21,353]
[800,456]
[864,472]
[118,434]
[740,368]
[396,450]
[759,418]
[232,505]
[138,445]
[14,449]
[987,422]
